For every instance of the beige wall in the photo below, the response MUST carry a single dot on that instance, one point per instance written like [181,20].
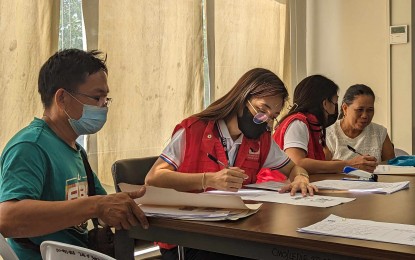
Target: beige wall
[348,41]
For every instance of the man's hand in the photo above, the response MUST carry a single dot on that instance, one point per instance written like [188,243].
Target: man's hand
[120,210]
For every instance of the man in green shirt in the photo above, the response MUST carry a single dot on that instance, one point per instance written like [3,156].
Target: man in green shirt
[43,183]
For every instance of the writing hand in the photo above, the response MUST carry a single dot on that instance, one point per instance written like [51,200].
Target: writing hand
[365,162]
[228,179]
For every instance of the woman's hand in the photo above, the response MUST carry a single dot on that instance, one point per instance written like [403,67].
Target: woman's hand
[300,183]
[365,162]
[228,179]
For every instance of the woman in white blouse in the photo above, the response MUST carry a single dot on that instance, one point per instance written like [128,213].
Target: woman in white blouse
[356,129]
[302,133]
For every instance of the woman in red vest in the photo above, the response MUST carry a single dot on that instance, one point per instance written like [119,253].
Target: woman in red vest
[225,146]
[301,133]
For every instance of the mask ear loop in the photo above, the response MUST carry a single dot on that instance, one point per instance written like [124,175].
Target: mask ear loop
[73,98]
[67,114]
[64,110]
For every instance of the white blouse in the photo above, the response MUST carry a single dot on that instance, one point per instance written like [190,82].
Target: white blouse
[370,141]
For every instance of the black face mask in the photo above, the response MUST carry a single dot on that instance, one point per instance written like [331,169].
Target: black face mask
[332,118]
[248,127]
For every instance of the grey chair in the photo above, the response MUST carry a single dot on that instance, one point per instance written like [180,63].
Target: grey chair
[399,152]
[132,171]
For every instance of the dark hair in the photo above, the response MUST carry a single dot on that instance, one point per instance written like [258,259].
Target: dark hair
[68,69]
[257,83]
[310,94]
[352,92]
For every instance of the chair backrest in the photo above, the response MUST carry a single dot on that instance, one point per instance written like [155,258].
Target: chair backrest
[6,252]
[399,152]
[132,171]
[52,250]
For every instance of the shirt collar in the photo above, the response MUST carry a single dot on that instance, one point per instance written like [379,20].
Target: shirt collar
[224,132]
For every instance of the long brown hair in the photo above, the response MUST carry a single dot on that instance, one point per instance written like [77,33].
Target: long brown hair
[310,94]
[257,83]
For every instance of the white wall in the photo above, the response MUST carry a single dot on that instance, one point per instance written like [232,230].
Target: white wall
[402,79]
[348,41]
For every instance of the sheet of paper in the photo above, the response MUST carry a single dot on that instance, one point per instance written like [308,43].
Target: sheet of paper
[362,186]
[363,229]
[394,170]
[195,213]
[286,198]
[169,203]
[184,212]
[240,193]
[269,185]
[170,197]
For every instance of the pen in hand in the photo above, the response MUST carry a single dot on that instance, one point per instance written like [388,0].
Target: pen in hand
[213,158]
[353,150]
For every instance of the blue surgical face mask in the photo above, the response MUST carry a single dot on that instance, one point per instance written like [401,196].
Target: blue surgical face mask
[92,120]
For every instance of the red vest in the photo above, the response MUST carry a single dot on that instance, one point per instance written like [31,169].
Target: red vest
[315,149]
[202,137]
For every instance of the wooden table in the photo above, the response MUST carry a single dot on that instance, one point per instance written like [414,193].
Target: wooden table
[271,233]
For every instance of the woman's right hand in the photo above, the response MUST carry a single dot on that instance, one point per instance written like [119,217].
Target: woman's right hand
[228,179]
[363,162]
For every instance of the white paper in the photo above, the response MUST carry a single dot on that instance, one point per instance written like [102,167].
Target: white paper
[240,193]
[286,198]
[162,202]
[269,185]
[184,212]
[362,186]
[363,229]
[394,170]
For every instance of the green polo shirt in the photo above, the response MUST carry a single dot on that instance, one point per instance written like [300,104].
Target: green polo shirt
[36,164]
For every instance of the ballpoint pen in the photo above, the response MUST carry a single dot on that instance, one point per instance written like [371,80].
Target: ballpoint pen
[213,158]
[353,150]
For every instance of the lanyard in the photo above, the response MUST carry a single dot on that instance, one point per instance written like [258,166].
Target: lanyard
[223,140]
[224,143]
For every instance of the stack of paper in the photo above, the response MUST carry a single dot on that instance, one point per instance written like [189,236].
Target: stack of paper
[363,229]
[286,198]
[269,185]
[394,170]
[169,203]
[362,186]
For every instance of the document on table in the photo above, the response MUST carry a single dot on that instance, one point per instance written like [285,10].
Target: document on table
[286,198]
[269,185]
[362,186]
[363,229]
[169,203]
[394,170]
